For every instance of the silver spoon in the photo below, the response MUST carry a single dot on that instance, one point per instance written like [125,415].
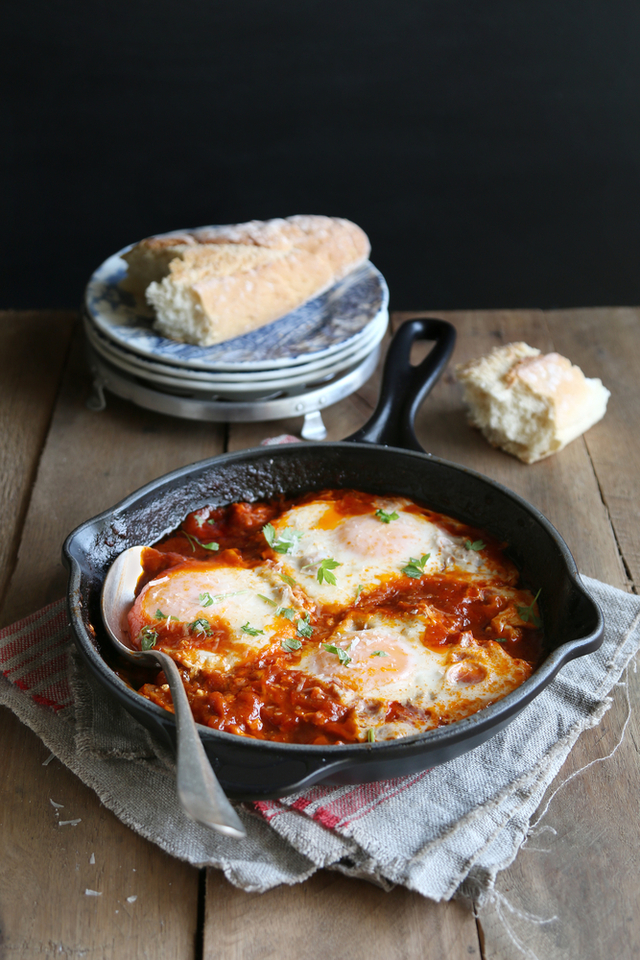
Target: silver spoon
[201,796]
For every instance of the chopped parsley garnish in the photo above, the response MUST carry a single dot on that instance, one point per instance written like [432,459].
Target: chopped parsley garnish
[201,626]
[252,631]
[160,615]
[527,614]
[205,546]
[285,543]
[387,517]
[379,653]
[147,638]
[358,592]
[287,612]
[323,573]
[476,545]
[415,568]
[288,580]
[303,626]
[341,654]
[371,735]
[290,644]
[207,599]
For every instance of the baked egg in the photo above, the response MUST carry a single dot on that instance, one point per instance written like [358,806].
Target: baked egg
[337,617]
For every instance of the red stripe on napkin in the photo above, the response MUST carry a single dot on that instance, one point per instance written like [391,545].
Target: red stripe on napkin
[33,656]
[343,809]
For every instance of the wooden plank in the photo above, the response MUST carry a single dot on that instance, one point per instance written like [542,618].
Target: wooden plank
[33,347]
[46,869]
[336,918]
[90,461]
[608,346]
[579,869]
[564,487]
[573,889]
[349,918]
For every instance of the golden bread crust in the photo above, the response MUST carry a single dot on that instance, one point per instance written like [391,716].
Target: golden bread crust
[215,283]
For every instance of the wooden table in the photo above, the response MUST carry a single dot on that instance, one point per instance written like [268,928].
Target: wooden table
[62,463]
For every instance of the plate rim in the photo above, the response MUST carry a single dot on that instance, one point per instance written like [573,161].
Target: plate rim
[148,367]
[98,282]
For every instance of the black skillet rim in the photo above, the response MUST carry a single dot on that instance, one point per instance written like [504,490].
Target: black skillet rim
[487,718]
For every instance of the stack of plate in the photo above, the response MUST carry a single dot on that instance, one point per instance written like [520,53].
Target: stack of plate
[311,358]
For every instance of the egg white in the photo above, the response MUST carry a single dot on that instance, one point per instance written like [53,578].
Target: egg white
[384,661]
[374,657]
[223,595]
[367,549]
[384,658]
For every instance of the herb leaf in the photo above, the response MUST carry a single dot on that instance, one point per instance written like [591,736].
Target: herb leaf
[386,517]
[210,546]
[379,653]
[527,614]
[252,631]
[323,573]
[415,568]
[358,592]
[160,615]
[287,612]
[341,654]
[285,543]
[200,626]
[207,599]
[205,546]
[303,626]
[288,580]
[476,545]
[290,644]
[147,638]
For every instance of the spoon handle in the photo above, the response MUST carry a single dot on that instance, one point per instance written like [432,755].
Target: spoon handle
[201,796]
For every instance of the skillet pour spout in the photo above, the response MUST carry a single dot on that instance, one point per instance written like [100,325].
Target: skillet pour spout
[383,457]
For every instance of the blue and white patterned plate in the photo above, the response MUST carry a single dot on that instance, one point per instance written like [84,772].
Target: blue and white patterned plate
[279,376]
[322,326]
[163,377]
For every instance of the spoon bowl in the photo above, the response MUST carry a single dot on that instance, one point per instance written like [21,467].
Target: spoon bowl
[201,796]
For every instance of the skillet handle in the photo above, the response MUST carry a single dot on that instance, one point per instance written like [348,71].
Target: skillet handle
[404,386]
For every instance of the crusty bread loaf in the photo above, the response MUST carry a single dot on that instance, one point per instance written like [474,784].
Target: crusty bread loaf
[212,284]
[527,403]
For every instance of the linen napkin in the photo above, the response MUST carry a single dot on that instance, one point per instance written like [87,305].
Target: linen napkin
[445,831]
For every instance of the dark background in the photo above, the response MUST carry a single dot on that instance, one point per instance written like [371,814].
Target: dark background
[491,150]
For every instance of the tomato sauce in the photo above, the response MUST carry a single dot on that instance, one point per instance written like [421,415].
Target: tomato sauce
[264,695]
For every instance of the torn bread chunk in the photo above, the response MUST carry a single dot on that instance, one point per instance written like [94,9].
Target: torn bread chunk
[528,403]
[216,283]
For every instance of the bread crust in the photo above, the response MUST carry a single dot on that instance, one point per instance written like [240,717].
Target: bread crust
[215,283]
[527,403]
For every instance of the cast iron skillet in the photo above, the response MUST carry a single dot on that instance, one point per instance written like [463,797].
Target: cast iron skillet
[383,457]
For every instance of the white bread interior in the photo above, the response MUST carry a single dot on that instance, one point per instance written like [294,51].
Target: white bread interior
[527,403]
[149,260]
[216,283]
